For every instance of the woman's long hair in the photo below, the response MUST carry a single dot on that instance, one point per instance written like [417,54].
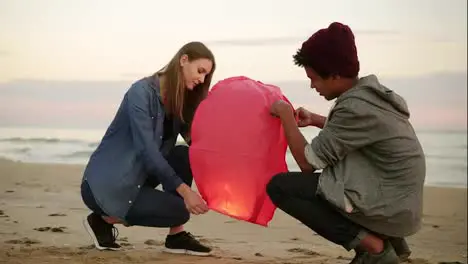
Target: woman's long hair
[179,101]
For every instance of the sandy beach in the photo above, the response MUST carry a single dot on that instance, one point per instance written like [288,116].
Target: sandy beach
[41,213]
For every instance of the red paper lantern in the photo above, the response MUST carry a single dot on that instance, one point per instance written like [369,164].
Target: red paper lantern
[237,147]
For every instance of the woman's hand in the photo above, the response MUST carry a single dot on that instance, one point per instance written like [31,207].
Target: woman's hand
[193,201]
[280,108]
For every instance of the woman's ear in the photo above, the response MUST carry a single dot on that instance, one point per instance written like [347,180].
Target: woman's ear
[183,60]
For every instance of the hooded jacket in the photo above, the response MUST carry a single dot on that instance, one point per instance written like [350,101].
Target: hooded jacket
[373,163]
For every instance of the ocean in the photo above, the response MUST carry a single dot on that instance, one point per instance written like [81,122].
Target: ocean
[446,151]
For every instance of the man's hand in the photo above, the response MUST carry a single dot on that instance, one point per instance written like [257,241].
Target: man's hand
[307,118]
[193,201]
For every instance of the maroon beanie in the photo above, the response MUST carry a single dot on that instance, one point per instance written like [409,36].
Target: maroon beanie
[330,51]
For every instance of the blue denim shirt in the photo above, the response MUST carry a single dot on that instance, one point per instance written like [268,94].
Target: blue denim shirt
[132,150]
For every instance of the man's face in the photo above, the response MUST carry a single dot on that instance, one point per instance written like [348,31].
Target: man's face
[325,87]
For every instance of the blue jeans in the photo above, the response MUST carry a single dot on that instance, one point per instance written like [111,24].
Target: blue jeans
[152,207]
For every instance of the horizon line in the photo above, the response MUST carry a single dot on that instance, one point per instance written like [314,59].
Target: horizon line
[283,80]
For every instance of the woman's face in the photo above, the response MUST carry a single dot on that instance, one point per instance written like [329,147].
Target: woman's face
[195,72]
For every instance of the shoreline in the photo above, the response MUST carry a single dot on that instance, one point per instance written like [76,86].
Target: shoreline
[37,197]
[430,185]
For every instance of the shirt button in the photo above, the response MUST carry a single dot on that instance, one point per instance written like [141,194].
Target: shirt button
[129,202]
[160,137]
[138,186]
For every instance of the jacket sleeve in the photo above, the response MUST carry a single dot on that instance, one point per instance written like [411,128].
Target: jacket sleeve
[352,125]
[141,124]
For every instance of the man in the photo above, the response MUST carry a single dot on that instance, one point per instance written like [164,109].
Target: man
[369,194]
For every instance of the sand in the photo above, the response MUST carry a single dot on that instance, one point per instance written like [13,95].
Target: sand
[41,213]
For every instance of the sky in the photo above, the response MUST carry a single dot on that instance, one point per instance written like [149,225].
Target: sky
[49,44]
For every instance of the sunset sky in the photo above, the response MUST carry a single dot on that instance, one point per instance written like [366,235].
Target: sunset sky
[45,44]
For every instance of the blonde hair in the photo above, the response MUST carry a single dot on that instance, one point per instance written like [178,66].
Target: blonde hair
[179,101]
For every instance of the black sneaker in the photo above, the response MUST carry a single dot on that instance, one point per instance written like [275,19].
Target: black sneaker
[102,233]
[185,243]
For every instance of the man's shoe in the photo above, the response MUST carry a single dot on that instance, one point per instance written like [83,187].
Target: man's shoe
[401,248]
[387,256]
[185,243]
[103,234]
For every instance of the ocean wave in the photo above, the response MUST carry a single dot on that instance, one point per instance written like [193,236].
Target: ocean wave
[19,150]
[39,140]
[78,154]
[93,144]
[446,157]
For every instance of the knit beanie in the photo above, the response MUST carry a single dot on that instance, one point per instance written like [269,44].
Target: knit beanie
[330,51]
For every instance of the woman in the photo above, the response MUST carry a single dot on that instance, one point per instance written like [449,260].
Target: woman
[368,197]
[138,153]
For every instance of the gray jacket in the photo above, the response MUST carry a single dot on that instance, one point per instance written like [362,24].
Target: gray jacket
[371,159]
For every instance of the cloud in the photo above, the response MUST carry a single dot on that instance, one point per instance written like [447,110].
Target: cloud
[286,40]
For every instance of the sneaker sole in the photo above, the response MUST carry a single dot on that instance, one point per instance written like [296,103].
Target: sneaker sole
[186,252]
[93,237]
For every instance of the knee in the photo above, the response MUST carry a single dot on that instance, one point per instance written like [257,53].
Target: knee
[183,216]
[273,188]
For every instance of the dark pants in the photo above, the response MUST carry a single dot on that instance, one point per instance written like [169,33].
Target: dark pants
[152,207]
[294,193]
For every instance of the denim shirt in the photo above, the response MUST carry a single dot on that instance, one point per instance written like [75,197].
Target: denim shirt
[132,150]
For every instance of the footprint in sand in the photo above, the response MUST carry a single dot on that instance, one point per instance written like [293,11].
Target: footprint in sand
[304,251]
[60,229]
[57,214]
[23,241]
[151,242]
[123,239]
[3,215]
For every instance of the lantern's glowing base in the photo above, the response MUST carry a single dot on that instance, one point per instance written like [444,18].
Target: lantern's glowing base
[228,208]
[233,202]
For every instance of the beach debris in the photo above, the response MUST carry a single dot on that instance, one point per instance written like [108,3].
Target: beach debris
[258,254]
[304,251]
[435,226]
[237,258]
[295,239]
[23,241]
[60,229]
[57,214]
[450,262]
[9,191]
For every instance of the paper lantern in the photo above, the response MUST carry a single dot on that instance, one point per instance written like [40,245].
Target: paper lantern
[237,147]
